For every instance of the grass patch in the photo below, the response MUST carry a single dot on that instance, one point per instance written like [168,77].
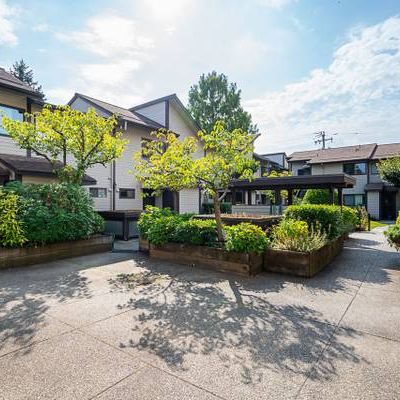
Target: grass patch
[377,224]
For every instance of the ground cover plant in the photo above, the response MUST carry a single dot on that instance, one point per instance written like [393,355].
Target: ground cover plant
[46,214]
[393,234]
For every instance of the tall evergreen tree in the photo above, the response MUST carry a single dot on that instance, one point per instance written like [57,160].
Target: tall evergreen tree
[24,73]
[215,99]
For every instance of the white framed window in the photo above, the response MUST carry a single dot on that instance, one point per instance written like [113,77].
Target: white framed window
[354,200]
[100,193]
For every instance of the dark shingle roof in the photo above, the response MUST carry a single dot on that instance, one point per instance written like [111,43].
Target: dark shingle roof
[10,81]
[386,150]
[127,115]
[23,165]
[347,153]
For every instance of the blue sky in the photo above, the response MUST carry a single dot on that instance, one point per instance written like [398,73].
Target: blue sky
[303,65]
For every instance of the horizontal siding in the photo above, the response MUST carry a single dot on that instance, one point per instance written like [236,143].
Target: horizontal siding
[13,98]
[189,201]
[373,199]
[8,146]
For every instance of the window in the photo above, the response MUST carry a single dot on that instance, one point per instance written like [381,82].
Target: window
[304,171]
[9,112]
[374,169]
[354,200]
[126,193]
[355,168]
[100,193]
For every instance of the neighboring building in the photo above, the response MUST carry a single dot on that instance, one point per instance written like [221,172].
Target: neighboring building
[381,199]
[16,98]
[117,188]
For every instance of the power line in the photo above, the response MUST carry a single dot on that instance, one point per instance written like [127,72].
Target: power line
[320,137]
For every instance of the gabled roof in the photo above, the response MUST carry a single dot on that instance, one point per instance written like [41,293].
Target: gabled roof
[172,98]
[347,153]
[370,151]
[386,150]
[121,112]
[10,81]
[24,165]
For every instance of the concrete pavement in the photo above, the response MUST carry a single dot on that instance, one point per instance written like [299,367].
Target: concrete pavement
[117,326]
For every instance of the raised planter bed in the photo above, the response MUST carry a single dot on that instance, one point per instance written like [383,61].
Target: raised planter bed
[302,264]
[25,256]
[217,259]
[144,245]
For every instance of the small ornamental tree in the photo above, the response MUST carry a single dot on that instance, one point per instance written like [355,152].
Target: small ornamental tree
[56,133]
[389,170]
[167,162]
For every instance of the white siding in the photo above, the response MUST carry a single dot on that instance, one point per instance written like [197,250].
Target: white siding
[8,146]
[156,112]
[295,166]
[83,105]
[189,201]
[103,178]
[373,204]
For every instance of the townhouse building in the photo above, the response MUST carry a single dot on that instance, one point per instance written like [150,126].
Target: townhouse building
[381,199]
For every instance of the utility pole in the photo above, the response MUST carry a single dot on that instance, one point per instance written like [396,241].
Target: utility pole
[320,137]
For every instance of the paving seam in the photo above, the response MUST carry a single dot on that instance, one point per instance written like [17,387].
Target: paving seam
[153,366]
[335,330]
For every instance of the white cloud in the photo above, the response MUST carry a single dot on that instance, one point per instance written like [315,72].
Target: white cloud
[276,3]
[110,36]
[43,27]
[358,91]
[8,15]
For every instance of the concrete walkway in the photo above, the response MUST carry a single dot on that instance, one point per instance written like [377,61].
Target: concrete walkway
[117,326]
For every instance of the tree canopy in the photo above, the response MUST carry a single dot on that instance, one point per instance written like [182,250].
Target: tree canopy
[389,170]
[55,133]
[24,73]
[214,99]
[169,163]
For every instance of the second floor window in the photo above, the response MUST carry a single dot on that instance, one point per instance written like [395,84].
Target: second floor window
[9,112]
[374,169]
[355,168]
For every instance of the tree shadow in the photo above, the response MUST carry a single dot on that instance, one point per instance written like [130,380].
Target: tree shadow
[190,318]
[26,295]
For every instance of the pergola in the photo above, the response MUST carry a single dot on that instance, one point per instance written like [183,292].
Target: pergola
[290,183]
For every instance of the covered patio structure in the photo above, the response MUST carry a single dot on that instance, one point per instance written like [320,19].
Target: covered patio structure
[331,182]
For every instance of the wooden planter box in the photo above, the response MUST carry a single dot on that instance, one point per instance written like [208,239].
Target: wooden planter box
[247,264]
[144,245]
[25,256]
[302,264]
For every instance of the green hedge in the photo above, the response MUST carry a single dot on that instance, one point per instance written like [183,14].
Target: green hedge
[330,219]
[160,226]
[318,196]
[55,212]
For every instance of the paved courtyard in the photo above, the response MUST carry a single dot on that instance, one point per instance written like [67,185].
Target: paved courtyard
[118,326]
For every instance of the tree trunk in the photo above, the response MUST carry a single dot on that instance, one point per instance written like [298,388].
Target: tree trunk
[218,220]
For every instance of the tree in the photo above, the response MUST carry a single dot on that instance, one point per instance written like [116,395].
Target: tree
[271,194]
[22,72]
[389,170]
[167,162]
[55,133]
[215,99]
[319,196]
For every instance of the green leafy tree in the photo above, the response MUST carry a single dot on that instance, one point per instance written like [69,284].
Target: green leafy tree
[215,99]
[319,196]
[55,133]
[167,162]
[389,170]
[271,193]
[24,73]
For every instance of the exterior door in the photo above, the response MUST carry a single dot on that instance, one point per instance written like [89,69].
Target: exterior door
[388,205]
[170,200]
[148,200]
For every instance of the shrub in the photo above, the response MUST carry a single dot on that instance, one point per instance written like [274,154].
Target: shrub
[197,232]
[245,238]
[11,232]
[208,208]
[398,219]
[296,236]
[150,215]
[350,219]
[327,217]
[362,218]
[55,212]
[318,196]
[393,236]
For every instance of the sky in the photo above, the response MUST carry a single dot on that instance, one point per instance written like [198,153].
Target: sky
[302,65]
